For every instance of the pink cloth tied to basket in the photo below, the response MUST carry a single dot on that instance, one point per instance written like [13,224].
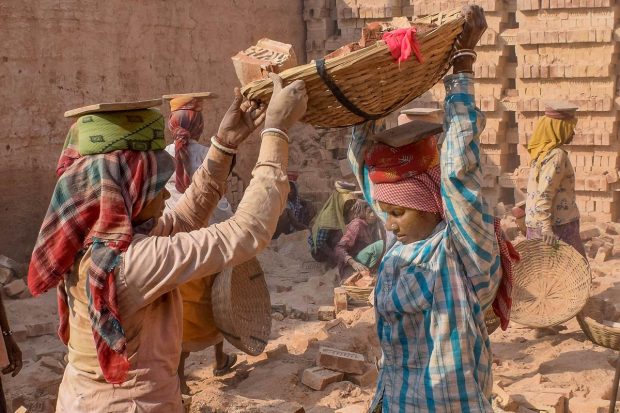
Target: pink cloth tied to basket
[402,44]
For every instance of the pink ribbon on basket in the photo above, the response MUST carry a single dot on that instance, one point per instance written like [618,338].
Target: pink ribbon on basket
[402,44]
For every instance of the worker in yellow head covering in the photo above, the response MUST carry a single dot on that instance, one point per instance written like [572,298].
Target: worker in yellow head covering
[550,133]
[551,211]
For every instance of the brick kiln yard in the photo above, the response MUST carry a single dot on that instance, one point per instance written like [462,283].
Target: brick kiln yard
[560,373]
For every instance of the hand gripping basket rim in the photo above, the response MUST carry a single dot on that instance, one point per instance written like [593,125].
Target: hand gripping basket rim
[242,307]
[369,79]
[551,284]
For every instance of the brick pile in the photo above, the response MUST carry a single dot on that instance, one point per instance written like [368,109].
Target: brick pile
[534,50]
[334,365]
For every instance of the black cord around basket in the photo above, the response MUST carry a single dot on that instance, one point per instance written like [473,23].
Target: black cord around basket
[339,95]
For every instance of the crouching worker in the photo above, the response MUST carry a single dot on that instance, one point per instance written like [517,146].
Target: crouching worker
[118,261]
[444,263]
[361,246]
[330,223]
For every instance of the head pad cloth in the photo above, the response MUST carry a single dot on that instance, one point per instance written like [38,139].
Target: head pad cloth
[93,204]
[185,123]
[410,177]
[407,176]
[97,133]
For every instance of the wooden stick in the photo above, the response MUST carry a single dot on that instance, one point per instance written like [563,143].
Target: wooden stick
[614,390]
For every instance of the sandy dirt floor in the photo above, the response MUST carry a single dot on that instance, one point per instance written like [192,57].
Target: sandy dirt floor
[561,365]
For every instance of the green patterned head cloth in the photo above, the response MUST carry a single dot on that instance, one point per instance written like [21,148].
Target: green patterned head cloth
[99,133]
[136,130]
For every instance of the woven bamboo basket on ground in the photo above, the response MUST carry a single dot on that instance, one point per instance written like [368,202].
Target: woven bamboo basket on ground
[371,82]
[551,284]
[242,307]
[591,321]
[491,320]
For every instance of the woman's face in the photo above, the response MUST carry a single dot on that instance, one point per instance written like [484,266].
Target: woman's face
[409,225]
[154,209]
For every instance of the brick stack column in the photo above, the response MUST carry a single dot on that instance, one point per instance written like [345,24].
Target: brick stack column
[492,71]
[566,50]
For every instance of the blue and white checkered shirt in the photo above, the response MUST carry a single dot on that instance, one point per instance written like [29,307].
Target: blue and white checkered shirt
[431,295]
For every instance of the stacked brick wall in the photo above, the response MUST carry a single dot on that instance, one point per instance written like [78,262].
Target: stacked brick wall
[566,50]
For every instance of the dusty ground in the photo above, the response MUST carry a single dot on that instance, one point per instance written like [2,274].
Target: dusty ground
[566,362]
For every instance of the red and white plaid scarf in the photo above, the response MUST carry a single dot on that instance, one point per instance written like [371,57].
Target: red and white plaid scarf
[185,123]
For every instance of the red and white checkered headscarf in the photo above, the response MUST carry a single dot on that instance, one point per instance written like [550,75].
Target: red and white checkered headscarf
[408,176]
[421,192]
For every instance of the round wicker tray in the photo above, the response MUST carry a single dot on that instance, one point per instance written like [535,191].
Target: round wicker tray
[590,320]
[242,307]
[551,284]
[369,78]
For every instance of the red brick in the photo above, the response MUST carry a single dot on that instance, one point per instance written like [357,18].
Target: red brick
[41,329]
[588,232]
[327,313]
[523,37]
[366,379]
[340,299]
[355,408]
[339,360]
[277,351]
[20,334]
[15,288]
[282,407]
[538,401]
[317,378]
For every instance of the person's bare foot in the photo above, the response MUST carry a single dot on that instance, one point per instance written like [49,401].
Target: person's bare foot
[227,365]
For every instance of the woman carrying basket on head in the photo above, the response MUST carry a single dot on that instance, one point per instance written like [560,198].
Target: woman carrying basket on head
[119,263]
[444,262]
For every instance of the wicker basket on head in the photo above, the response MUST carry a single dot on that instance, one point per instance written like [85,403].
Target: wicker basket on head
[369,81]
[591,321]
[242,307]
[551,284]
